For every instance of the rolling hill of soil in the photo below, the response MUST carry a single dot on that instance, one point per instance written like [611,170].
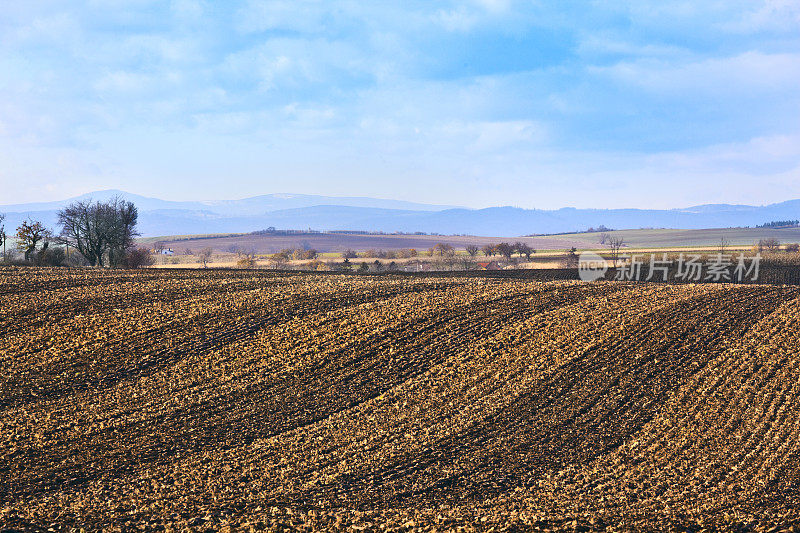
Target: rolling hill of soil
[640,239]
[223,401]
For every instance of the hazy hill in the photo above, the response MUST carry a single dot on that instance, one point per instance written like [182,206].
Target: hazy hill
[256,205]
[294,211]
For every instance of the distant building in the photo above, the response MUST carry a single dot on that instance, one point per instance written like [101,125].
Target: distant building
[416,266]
[490,265]
[167,251]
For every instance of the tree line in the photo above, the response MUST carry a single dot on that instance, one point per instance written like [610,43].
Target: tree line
[444,250]
[504,249]
[101,233]
[780,224]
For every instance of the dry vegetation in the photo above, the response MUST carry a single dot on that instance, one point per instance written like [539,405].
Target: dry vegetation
[338,242]
[255,400]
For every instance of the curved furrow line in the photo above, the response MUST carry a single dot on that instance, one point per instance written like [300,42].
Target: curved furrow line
[277,412]
[703,444]
[736,380]
[626,391]
[343,401]
[467,438]
[164,344]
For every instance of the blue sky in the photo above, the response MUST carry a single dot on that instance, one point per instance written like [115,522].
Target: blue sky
[488,102]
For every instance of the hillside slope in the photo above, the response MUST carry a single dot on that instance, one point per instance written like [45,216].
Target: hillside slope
[325,213]
[214,400]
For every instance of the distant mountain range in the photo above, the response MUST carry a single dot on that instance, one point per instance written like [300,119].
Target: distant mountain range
[325,213]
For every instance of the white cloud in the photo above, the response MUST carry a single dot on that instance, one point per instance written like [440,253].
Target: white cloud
[733,74]
[124,82]
[494,6]
[374,94]
[460,19]
[56,28]
[155,49]
[766,15]
[305,16]
[758,156]
[593,45]
[283,62]
[490,136]
[188,9]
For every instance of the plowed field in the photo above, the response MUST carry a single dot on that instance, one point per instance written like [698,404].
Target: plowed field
[197,400]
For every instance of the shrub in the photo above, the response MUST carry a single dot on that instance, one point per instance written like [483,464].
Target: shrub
[246,261]
[51,257]
[570,258]
[204,256]
[316,264]
[279,259]
[770,244]
[138,258]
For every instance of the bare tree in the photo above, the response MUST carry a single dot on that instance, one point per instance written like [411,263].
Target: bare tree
[772,244]
[489,250]
[121,218]
[604,238]
[505,249]
[349,254]
[247,259]
[723,244]
[3,235]
[524,249]
[472,249]
[204,256]
[615,243]
[100,229]
[443,250]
